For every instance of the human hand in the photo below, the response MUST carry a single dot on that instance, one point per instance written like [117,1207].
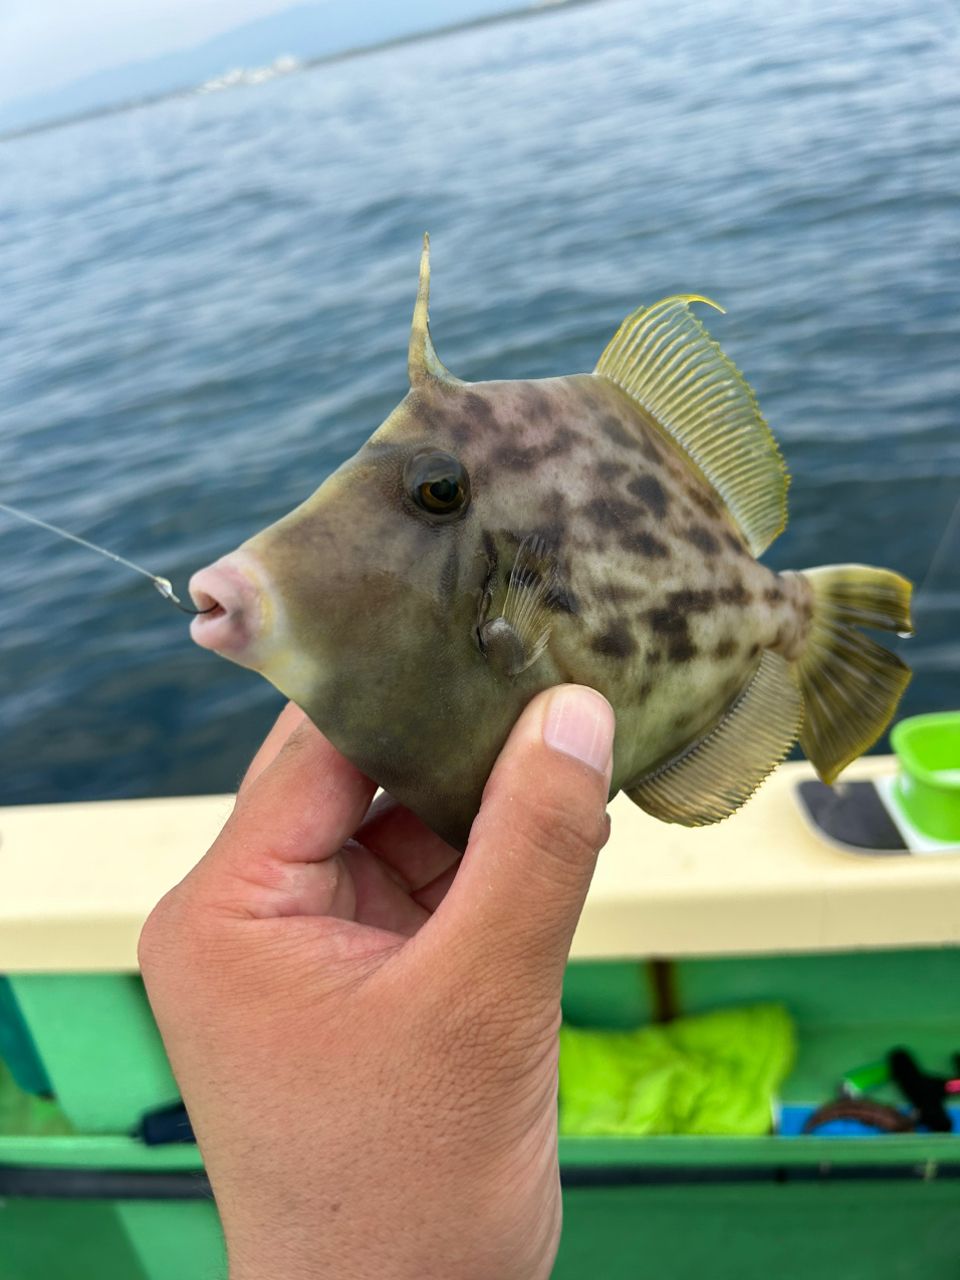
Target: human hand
[364,1031]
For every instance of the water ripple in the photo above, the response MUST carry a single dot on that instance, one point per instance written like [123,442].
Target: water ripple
[206,306]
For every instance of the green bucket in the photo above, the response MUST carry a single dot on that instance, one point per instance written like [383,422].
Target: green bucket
[928,784]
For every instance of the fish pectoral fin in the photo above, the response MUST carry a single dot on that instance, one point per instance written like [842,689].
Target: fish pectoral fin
[664,359]
[516,638]
[502,647]
[713,777]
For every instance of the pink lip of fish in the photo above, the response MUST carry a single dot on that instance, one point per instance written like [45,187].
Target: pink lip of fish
[235,591]
[493,539]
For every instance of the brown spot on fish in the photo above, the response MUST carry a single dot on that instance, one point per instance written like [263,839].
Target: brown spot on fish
[735,544]
[449,576]
[510,457]
[561,600]
[671,625]
[617,432]
[699,536]
[617,593]
[725,648]
[478,410]
[591,390]
[512,454]
[555,504]
[615,642]
[774,594]
[690,601]
[489,547]
[460,433]
[650,449]
[645,690]
[702,498]
[608,470]
[536,403]
[645,544]
[564,438]
[665,621]
[736,593]
[753,650]
[651,493]
[609,513]
[682,650]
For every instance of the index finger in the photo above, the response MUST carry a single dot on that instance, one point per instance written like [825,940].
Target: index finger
[294,816]
[405,843]
[290,718]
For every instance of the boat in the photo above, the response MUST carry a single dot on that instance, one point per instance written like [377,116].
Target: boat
[864,952]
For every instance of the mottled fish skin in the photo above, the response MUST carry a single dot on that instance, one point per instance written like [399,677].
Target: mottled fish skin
[491,540]
[658,604]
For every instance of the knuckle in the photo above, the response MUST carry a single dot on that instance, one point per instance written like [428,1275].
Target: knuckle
[169,937]
[157,935]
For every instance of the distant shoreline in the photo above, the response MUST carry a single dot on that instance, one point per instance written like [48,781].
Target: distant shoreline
[307,64]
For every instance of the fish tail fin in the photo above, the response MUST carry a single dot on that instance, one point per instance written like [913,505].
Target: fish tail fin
[850,684]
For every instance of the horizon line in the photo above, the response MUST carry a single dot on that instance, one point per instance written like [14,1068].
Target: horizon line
[533,8]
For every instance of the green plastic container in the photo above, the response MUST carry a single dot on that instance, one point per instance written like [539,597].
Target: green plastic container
[928,785]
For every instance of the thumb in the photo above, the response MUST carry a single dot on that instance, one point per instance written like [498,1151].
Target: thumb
[518,894]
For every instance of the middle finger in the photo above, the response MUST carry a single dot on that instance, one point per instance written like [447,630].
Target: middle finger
[404,843]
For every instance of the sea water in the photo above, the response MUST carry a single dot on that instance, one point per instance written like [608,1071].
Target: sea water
[205,309]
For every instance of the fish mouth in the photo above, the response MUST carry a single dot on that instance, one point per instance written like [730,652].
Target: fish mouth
[208,606]
[232,597]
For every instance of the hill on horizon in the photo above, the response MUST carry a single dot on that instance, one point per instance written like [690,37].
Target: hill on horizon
[305,32]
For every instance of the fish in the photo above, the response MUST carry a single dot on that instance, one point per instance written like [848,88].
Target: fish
[494,539]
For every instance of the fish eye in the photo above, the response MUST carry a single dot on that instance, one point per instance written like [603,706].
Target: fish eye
[438,484]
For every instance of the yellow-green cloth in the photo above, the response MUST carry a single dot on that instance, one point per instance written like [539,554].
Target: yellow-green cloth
[711,1073]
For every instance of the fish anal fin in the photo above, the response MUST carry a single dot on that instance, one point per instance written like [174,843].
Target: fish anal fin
[666,361]
[713,777]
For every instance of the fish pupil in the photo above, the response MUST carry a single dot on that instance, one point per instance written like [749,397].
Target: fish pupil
[444,492]
[438,484]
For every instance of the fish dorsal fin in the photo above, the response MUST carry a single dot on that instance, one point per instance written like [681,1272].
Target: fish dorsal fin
[713,777]
[423,363]
[663,358]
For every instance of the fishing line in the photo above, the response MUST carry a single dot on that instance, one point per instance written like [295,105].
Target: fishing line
[163,585]
[937,558]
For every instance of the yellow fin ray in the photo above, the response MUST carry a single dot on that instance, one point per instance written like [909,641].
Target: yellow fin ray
[665,360]
[851,685]
[518,635]
[525,608]
[714,776]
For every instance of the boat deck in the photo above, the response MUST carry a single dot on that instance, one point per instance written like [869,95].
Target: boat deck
[77,881]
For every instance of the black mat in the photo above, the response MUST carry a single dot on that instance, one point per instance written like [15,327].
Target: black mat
[853,814]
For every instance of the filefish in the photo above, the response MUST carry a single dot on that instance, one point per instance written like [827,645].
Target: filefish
[493,539]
